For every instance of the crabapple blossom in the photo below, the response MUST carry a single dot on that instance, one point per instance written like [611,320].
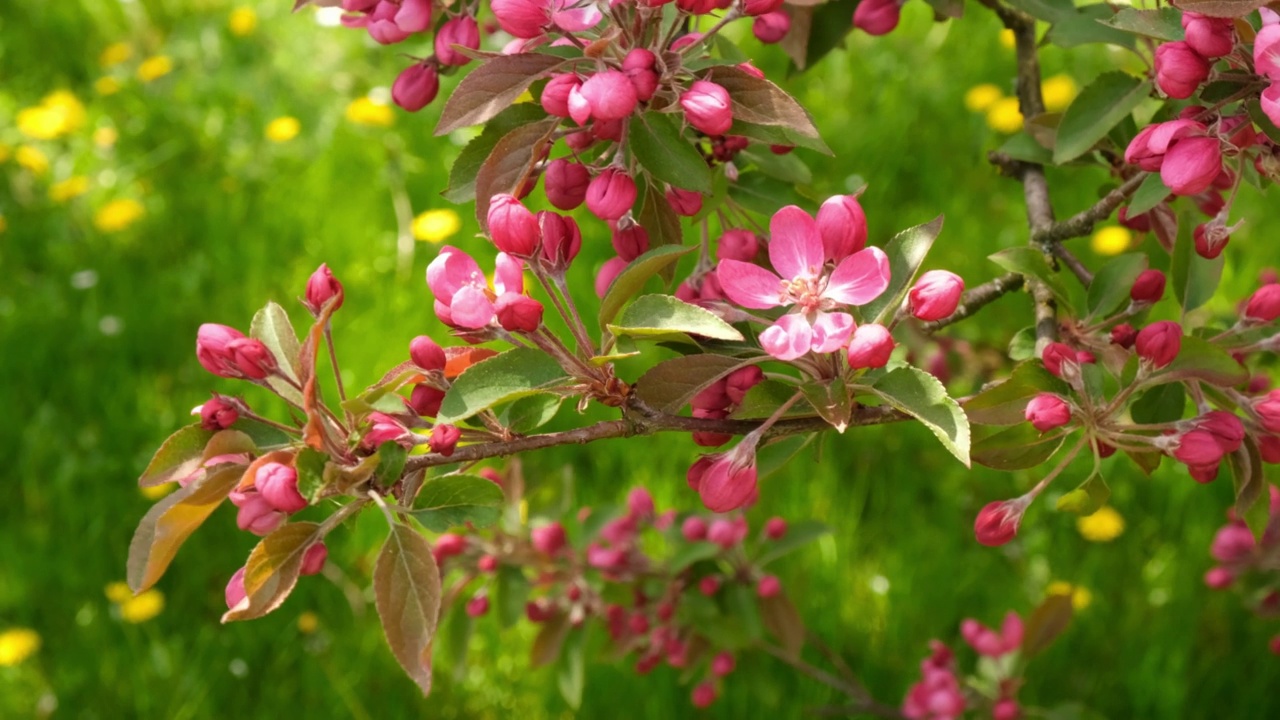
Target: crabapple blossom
[1047,411]
[707,108]
[565,183]
[843,227]
[611,194]
[1210,37]
[936,295]
[322,287]
[278,484]
[1148,287]
[1263,305]
[1159,343]
[870,346]
[771,27]
[226,352]
[1180,70]
[513,227]
[218,414]
[416,86]
[461,31]
[877,17]
[997,522]
[463,298]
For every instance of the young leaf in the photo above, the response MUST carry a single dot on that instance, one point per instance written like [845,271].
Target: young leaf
[766,397]
[762,194]
[452,500]
[462,176]
[310,464]
[1086,499]
[906,251]
[1085,26]
[272,569]
[658,315]
[1111,285]
[670,384]
[1098,108]
[391,460]
[1017,448]
[1194,279]
[491,88]
[1160,404]
[1162,24]
[171,521]
[817,31]
[530,412]
[631,280]
[406,587]
[666,154]
[504,377]
[831,400]
[271,326]
[1149,194]
[179,455]
[512,591]
[511,160]
[1247,474]
[1046,623]
[919,394]
[1222,8]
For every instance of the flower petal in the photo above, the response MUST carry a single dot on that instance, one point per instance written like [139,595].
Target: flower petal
[470,308]
[831,331]
[508,275]
[576,19]
[451,270]
[788,338]
[859,278]
[749,285]
[795,245]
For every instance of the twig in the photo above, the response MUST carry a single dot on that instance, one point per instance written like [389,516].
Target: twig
[862,703]
[1081,223]
[1071,261]
[974,299]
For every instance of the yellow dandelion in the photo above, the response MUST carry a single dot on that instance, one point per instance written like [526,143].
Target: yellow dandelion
[154,68]
[1111,240]
[118,215]
[1104,525]
[243,21]
[32,159]
[143,607]
[72,187]
[283,129]
[1004,116]
[114,54]
[105,137]
[981,97]
[57,114]
[434,226]
[1007,40]
[364,111]
[18,644]
[155,492]
[1080,596]
[118,592]
[308,623]
[1058,92]
[106,85]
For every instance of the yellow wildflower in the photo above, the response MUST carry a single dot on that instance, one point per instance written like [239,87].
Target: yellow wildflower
[106,85]
[114,54]
[1058,92]
[1111,240]
[118,215]
[57,114]
[981,97]
[17,644]
[1007,40]
[143,607]
[72,187]
[243,21]
[308,623]
[364,111]
[1104,525]
[1004,116]
[118,592]
[434,226]
[105,137]
[283,129]
[1080,596]
[32,159]
[154,67]
[155,492]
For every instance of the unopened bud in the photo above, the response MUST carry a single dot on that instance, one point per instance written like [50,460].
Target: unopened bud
[1148,287]
[323,287]
[1159,343]
[935,295]
[611,194]
[444,438]
[416,86]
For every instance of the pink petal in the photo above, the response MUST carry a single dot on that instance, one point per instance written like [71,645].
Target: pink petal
[1166,133]
[1266,52]
[575,20]
[795,245]
[831,331]
[471,308]
[788,338]
[451,270]
[859,278]
[749,285]
[508,275]
[1271,101]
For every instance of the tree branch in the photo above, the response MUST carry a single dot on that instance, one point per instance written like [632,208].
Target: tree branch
[974,299]
[1081,223]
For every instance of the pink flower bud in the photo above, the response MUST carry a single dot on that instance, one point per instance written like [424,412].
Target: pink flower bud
[278,483]
[730,482]
[738,244]
[1006,709]
[538,611]
[775,528]
[1159,343]
[444,438]
[561,239]
[461,31]
[521,18]
[1123,335]
[696,7]
[565,183]
[321,288]
[639,66]
[1204,473]
[1211,239]
[1047,411]
[1210,37]
[870,347]
[426,354]
[416,86]
[258,516]
[518,313]
[684,202]
[478,606]
[449,545]
[1218,578]
[704,694]
[313,559]
[877,17]
[513,227]
[413,16]
[610,95]
[771,27]
[722,533]
[548,539]
[1191,165]
[768,586]
[1233,544]
[843,226]
[218,414]
[612,268]
[709,585]
[1148,287]
[425,400]
[603,558]
[1180,70]
[487,564]
[629,241]
[213,349]
[555,96]
[997,522]
[694,529]
[707,107]
[1269,447]
[935,295]
[235,593]
[756,8]
[1198,448]
[722,664]
[611,194]
[739,382]
[1268,411]
[1270,103]
[1225,427]
[640,503]
[1263,305]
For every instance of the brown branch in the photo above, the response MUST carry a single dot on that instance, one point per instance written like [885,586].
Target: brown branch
[1081,223]
[974,299]
[1071,261]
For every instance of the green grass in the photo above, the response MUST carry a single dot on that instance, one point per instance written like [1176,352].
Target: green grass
[233,221]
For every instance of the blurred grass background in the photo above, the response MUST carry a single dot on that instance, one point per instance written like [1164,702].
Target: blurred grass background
[171,198]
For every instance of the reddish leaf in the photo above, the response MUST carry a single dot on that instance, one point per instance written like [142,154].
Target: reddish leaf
[511,161]
[1046,623]
[546,647]
[272,569]
[784,623]
[492,88]
[177,457]
[458,359]
[1221,8]
[229,442]
[171,521]
[406,586]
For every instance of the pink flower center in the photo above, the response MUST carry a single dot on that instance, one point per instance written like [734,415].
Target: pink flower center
[806,293]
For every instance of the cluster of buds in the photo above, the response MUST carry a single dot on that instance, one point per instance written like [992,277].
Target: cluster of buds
[1250,563]
[940,695]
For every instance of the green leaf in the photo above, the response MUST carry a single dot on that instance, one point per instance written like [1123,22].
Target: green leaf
[178,456]
[1149,194]
[1030,262]
[919,394]
[1194,279]
[831,399]
[462,176]
[452,500]
[171,521]
[787,168]
[817,30]
[671,384]
[1024,147]
[501,378]
[512,591]
[762,194]
[666,154]
[1049,11]
[1018,447]
[1046,623]
[1098,108]
[778,454]
[1201,360]
[310,466]
[491,88]
[531,412]
[1222,8]
[777,135]
[571,676]
[1087,26]
[1111,285]
[262,434]
[690,554]
[1022,346]
[1162,24]
[744,610]
[661,315]
[632,279]
[906,251]
[1086,499]
[760,102]
[391,459]
[799,534]
[1006,403]
[766,397]
[1160,404]
[271,326]
[406,591]
[660,220]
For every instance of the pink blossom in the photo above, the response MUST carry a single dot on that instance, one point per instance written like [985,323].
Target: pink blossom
[877,17]
[444,438]
[218,414]
[1047,411]
[1271,101]
[1180,70]
[935,295]
[555,96]
[737,244]
[796,253]
[1266,52]
[426,353]
[461,31]
[729,482]
[512,226]
[463,296]
[527,18]
[843,226]
[1159,342]
[425,400]
[771,27]
[1263,305]
[416,86]
[611,194]
[694,529]
[561,239]
[768,586]
[609,272]
[322,287]
[609,95]
[638,66]
[565,183]
[991,643]
[997,522]
[313,559]
[278,483]
[1191,165]
[870,347]
[1233,543]
[1148,287]
[707,108]
[1211,37]
[235,593]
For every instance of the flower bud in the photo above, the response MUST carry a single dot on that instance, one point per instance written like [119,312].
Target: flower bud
[548,539]
[461,31]
[843,226]
[1204,473]
[684,202]
[1197,448]
[413,16]
[487,564]
[1218,578]
[609,272]
[1047,411]
[775,528]
[1263,305]
[1191,165]
[769,586]
[1159,343]
[730,482]
[425,400]
[1148,287]
[707,107]
[935,295]
[1180,70]
[218,414]
[611,194]
[756,8]
[518,313]
[444,438]
[278,483]
[448,545]
[1211,239]
[721,533]
[870,347]
[1006,709]
[258,516]
[640,503]
[1268,411]
[561,239]
[709,585]
[565,183]
[738,244]
[213,349]
[877,17]
[771,27]
[426,354]
[416,86]
[1140,222]
[1210,37]
[555,96]
[1233,543]
[739,382]
[997,522]
[313,559]
[694,529]
[513,227]
[639,66]
[722,664]
[1123,335]
[235,593]
[321,288]
[704,694]
[478,606]
[610,95]
[521,18]
[1225,427]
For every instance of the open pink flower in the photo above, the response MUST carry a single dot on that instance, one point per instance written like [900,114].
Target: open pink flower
[528,18]
[802,280]
[463,296]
